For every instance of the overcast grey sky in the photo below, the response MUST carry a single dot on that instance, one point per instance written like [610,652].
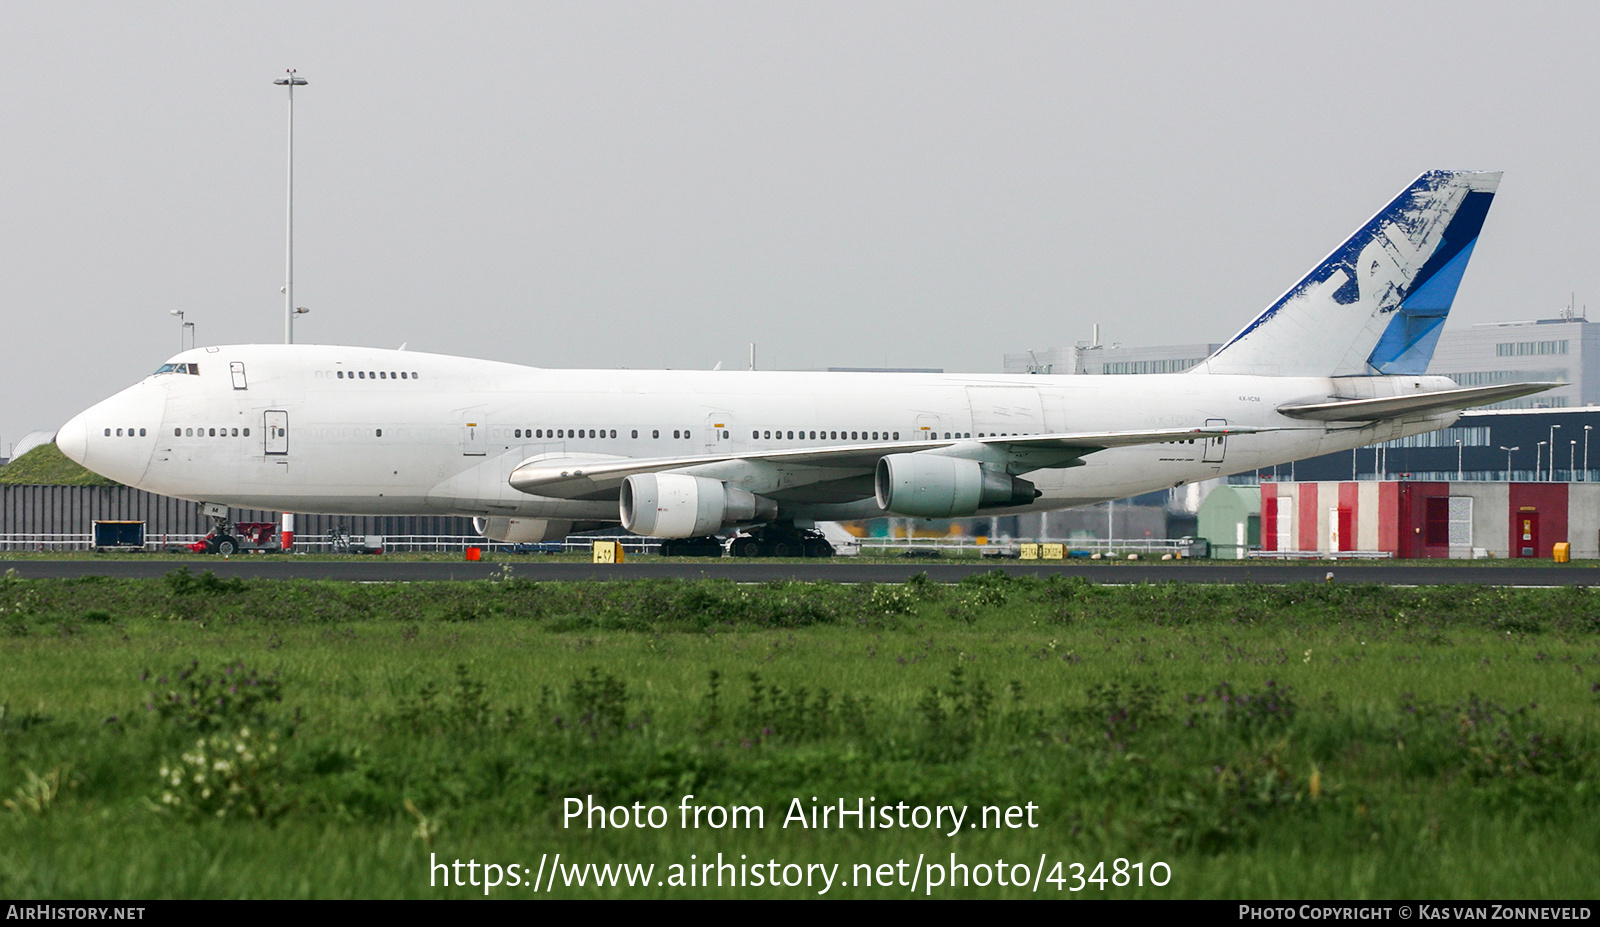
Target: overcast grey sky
[658,184]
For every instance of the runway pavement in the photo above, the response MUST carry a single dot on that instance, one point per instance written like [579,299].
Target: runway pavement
[376,569]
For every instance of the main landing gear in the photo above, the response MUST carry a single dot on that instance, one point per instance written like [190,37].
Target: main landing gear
[781,541]
[692,547]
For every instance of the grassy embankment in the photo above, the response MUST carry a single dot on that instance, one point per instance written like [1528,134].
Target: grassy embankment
[1312,741]
[45,465]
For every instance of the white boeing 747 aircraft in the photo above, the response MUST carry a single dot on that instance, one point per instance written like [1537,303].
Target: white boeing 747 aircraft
[1337,362]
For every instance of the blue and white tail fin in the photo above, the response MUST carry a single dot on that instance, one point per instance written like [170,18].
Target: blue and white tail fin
[1376,305]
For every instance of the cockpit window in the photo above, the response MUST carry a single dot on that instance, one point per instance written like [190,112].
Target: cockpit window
[193,369]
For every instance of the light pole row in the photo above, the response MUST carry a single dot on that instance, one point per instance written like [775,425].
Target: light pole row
[186,330]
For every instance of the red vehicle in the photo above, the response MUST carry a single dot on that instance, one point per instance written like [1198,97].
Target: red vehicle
[248,535]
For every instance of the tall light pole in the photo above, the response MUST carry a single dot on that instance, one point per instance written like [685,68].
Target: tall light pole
[1508,451]
[1553,453]
[1538,459]
[1572,455]
[292,81]
[1586,430]
[181,326]
[1459,477]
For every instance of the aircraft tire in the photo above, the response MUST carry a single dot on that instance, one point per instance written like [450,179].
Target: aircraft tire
[226,546]
[747,547]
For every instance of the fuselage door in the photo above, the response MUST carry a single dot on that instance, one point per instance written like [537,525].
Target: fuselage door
[237,369]
[277,431]
[474,439]
[719,432]
[1217,446]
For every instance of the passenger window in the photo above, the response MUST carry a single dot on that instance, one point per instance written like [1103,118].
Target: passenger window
[391,374]
[636,432]
[674,432]
[340,374]
[897,436]
[755,435]
[362,374]
[613,432]
[177,432]
[791,436]
[413,374]
[379,432]
[189,432]
[213,433]
[236,433]
[247,432]
[686,436]
[655,432]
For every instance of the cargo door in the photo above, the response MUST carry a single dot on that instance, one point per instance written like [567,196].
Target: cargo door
[236,369]
[1005,410]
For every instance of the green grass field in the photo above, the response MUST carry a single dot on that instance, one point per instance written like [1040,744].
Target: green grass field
[1325,741]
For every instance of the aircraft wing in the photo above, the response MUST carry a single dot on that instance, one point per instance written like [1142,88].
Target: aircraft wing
[599,478]
[1369,410]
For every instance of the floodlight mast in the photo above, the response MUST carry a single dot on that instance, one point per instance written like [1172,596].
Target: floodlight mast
[292,81]
[286,531]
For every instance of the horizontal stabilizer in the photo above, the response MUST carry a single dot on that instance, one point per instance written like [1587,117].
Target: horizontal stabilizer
[1371,410]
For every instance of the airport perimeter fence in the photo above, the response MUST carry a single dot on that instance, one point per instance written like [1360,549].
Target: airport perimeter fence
[1081,548]
[40,542]
[414,543]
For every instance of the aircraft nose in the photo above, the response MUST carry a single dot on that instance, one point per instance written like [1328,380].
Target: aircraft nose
[73,440]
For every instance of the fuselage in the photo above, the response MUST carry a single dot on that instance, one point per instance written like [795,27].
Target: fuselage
[349,430]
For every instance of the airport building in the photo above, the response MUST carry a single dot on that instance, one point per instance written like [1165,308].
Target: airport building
[1417,519]
[1093,358]
[1543,445]
[1565,350]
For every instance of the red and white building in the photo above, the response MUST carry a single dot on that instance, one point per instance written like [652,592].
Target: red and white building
[1431,519]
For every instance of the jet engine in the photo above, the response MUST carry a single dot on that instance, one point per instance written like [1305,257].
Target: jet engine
[522,530]
[673,505]
[933,486]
